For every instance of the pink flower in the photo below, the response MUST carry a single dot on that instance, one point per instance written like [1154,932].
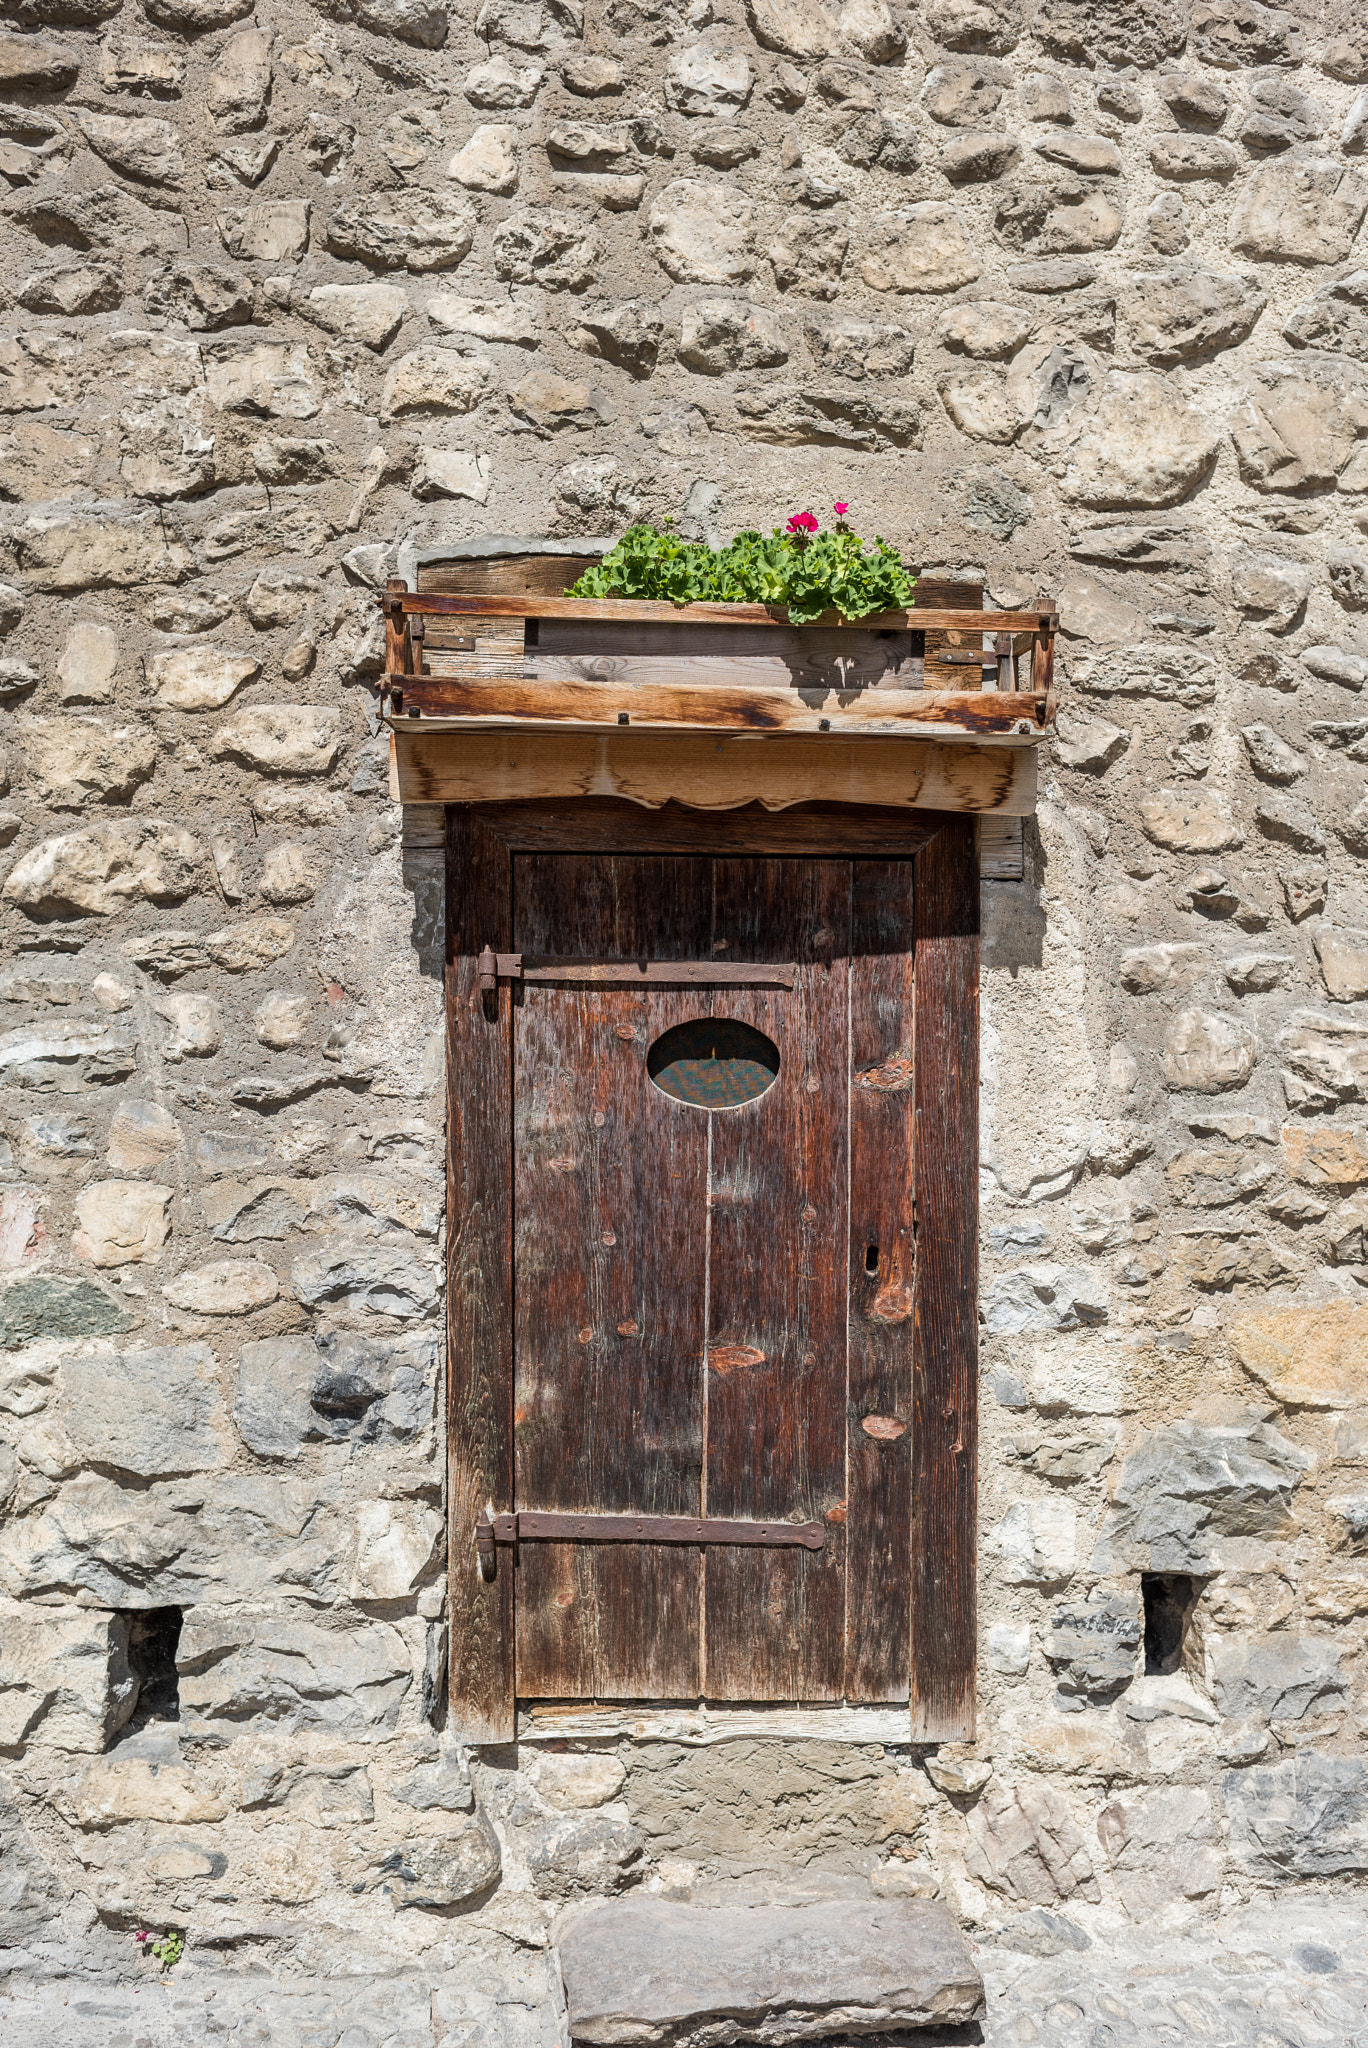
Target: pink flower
[840,510]
[803,522]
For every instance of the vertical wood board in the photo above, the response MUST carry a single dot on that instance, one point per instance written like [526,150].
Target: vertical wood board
[610,1281]
[479,1277]
[882,1238]
[1001,852]
[776,1291]
[945,1370]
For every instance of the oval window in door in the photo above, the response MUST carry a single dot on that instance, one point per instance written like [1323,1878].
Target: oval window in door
[713,1063]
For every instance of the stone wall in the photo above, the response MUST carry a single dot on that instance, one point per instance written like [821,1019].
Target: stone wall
[1068,297]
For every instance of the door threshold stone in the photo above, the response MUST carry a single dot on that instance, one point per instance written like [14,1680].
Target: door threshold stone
[560,1721]
[648,1973]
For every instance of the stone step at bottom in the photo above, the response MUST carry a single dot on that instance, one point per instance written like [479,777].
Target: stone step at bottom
[649,1973]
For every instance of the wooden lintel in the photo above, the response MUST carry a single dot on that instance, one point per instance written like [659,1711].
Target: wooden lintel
[463,703]
[710,773]
[629,611]
[822,831]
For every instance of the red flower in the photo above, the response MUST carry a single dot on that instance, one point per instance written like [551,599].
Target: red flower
[803,522]
[840,510]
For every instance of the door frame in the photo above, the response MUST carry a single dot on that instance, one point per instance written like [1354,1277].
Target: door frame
[481,842]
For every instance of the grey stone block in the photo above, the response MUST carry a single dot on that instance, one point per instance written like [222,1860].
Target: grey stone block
[52,1305]
[1093,1645]
[64,1678]
[1039,1933]
[442,1787]
[388,1280]
[272,1405]
[374,1387]
[1162,1845]
[648,1972]
[1184,1486]
[149,1413]
[1277,1677]
[464,1863]
[121,1547]
[1349,1520]
[66,1058]
[30,1896]
[1044,1297]
[512,2001]
[343,1389]
[1025,1842]
[585,1857]
[1307,1817]
[241,1664]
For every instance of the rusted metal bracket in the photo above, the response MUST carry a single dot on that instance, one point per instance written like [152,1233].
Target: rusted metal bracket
[493,968]
[526,1526]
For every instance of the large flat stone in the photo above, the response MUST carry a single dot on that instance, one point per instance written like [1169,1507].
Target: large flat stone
[646,1971]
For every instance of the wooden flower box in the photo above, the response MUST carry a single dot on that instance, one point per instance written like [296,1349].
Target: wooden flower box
[497,696]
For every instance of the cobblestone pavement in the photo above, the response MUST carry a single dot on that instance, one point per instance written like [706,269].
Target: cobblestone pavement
[1284,1976]
[1290,1975]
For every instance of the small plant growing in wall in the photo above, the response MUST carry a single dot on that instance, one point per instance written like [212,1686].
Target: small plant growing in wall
[168,1948]
[797,565]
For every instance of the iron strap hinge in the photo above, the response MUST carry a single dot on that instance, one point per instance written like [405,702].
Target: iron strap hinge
[524,1526]
[492,968]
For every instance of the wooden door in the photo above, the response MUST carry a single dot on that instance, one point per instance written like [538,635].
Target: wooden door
[696,1310]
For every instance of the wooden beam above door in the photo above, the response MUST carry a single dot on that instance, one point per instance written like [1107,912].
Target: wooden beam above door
[711,773]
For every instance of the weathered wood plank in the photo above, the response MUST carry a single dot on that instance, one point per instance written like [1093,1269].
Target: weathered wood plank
[882,1266]
[396,639]
[683,667]
[506,575]
[463,701]
[610,825]
[713,774]
[610,1260]
[806,657]
[479,1276]
[645,611]
[777,1292]
[1001,854]
[945,1369]
[478,646]
[946,593]
[424,828]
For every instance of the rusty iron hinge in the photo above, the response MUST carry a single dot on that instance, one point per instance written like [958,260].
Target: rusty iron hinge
[526,1526]
[493,968]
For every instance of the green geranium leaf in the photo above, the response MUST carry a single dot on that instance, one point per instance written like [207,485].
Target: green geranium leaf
[809,574]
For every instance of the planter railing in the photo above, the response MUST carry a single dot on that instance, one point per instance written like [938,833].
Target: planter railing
[526,696]
[484,663]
